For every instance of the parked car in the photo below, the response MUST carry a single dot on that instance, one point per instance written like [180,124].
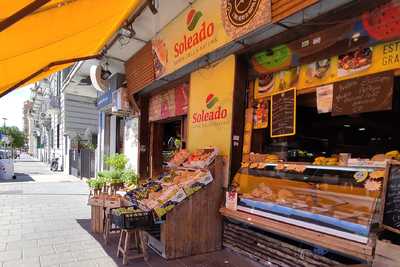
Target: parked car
[6,165]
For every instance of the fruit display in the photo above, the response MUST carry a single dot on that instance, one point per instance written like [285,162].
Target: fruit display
[331,161]
[164,193]
[201,158]
[179,158]
[394,154]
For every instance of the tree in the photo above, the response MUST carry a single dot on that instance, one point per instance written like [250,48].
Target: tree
[16,136]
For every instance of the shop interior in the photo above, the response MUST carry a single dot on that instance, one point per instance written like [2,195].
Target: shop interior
[168,136]
[362,135]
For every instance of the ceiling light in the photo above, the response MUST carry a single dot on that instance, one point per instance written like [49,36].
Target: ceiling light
[361,129]
[347,125]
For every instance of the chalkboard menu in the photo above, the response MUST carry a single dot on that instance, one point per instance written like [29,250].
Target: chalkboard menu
[391,210]
[364,94]
[283,113]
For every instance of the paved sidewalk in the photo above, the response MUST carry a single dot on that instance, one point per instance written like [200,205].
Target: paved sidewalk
[46,223]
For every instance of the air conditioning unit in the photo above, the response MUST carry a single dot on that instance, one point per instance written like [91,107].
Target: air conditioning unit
[98,77]
[120,103]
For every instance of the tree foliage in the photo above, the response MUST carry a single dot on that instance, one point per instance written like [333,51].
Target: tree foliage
[17,137]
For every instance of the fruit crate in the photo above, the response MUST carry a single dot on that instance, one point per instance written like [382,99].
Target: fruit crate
[132,220]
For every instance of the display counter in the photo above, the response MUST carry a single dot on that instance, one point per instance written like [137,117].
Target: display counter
[330,206]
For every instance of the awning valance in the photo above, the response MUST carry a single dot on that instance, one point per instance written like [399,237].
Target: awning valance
[40,37]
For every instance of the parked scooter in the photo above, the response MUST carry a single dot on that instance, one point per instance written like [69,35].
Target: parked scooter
[54,164]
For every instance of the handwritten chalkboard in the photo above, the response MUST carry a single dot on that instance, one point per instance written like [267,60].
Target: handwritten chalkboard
[283,113]
[391,210]
[364,94]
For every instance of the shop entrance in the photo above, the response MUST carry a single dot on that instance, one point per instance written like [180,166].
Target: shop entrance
[166,138]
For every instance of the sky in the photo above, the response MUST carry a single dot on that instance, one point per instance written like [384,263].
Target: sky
[11,106]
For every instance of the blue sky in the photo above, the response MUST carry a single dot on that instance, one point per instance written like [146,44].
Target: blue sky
[11,106]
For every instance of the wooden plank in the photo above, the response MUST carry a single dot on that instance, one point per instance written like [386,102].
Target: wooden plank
[340,245]
[290,8]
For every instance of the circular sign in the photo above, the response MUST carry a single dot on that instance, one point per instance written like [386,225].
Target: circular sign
[240,12]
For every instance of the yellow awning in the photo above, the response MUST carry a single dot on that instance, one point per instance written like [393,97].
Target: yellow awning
[40,37]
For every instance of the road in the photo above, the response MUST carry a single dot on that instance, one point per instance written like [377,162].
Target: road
[45,220]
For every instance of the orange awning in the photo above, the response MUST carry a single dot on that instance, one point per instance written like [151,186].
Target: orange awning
[40,37]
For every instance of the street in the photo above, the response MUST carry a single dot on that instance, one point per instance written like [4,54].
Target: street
[45,221]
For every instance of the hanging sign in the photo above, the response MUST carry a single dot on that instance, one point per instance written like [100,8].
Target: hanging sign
[203,27]
[324,98]
[391,203]
[364,94]
[283,113]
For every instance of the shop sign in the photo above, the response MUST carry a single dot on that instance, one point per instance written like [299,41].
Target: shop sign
[364,94]
[203,27]
[170,103]
[370,29]
[104,100]
[357,63]
[210,106]
[283,114]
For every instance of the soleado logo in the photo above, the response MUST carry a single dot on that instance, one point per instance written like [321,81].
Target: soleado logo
[211,100]
[215,112]
[198,34]
[192,19]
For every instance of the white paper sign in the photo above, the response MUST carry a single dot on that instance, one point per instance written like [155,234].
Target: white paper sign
[324,98]
[231,200]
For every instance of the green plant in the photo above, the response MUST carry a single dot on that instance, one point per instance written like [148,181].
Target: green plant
[95,183]
[115,177]
[117,161]
[129,177]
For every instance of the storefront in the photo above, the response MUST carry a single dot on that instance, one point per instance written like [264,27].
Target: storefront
[261,110]
[319,140]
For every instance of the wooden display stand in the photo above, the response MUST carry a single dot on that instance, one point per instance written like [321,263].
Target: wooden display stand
[194,226]
[97,219]
[343,246]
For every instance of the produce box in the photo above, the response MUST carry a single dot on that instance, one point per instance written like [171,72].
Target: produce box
[96,201]
[201,158]
[112,202]
[168,203]
[198,182]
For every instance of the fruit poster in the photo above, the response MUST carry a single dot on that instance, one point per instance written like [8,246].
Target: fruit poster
[210,106]
[350,65]
[370,29]
[202,28]
[170,103]
[260,116]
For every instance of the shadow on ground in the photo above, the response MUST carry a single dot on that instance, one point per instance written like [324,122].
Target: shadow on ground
[222,258]
[20,177]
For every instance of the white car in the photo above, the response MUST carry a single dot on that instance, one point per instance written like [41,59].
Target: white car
[6,165]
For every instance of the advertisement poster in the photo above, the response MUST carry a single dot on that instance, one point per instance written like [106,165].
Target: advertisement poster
[181,99]
[324,98]
[210,106]
[357,63]
[203,27]
[260,116]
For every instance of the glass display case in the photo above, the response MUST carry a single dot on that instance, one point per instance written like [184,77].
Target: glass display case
[328,199]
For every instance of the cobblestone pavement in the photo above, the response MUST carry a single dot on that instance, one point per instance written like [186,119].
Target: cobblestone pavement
[44,221]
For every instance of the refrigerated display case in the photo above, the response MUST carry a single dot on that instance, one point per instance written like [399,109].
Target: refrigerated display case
[328,199]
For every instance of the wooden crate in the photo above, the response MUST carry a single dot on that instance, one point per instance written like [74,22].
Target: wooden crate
[268,250]
[97,219]
[194,226]
[386,254]
[337,244]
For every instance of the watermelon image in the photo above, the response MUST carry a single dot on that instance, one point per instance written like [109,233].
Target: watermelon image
[211,100]
[280,57]
[192,19]
[383,24]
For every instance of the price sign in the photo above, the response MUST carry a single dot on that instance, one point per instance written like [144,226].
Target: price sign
[391,203]
[364,94]
[283,113]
